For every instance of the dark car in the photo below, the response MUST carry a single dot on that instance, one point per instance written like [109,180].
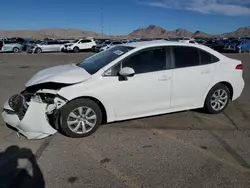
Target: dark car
[100,45]
[217,45]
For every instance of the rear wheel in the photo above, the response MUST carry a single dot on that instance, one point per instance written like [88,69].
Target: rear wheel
[80,118]
[217,99]
[15,50]
[76,49]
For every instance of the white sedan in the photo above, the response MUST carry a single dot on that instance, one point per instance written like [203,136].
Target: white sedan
[124,82]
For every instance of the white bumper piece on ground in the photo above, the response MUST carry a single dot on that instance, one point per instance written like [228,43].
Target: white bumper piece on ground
[34,124]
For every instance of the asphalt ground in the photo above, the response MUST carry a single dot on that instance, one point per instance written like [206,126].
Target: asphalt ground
[184,149]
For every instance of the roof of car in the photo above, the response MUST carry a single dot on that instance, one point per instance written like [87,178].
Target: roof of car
[155,43]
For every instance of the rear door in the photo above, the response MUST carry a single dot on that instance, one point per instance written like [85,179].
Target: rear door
[192,74]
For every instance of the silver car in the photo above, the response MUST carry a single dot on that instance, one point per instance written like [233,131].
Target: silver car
[10,46]
[46,46]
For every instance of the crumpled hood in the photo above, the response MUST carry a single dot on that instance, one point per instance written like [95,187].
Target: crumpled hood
[68,74]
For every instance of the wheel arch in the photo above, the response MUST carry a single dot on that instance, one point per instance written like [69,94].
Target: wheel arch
[227,84]
[38,48]
[16,48]
[99,103]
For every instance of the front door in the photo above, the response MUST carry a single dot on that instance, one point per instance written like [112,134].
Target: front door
[147,92]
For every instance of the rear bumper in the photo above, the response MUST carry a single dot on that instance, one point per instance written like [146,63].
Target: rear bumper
[34,124]
[238,89]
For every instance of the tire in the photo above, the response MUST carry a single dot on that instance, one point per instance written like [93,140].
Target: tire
[76,49]
[93,49]
[15,50]
[239,51]
[210,106]
[38,50]
[70,118]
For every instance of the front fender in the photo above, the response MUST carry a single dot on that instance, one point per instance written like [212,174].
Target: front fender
[64,92]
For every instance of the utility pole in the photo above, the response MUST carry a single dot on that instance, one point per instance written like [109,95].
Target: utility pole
[102,17]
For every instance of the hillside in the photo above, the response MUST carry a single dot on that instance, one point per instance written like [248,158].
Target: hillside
[50,33]
[149,32]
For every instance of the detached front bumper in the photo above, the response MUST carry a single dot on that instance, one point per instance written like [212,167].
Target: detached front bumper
[33,125]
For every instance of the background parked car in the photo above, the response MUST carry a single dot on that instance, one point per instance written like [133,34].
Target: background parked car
[113,43]
[100,45]
[10,46]
[27,45]
[238,45]
[244,46]
[46,46]
[217,45]
[79,45]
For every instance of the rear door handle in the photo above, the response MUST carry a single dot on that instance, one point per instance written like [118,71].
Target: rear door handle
[205,71]
[164,78]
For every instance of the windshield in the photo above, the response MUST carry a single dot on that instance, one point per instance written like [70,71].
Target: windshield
[235,41]
[74,41]
[107,42]
[98,61]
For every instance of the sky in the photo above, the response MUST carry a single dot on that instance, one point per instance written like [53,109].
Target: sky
[123,16]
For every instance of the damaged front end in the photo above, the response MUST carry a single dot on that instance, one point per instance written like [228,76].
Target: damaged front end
[34,113]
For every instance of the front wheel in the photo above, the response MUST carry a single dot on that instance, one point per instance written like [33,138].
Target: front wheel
[76,49]
[93,49]
[80,118]
[217,99]
[38,50]
[15,50]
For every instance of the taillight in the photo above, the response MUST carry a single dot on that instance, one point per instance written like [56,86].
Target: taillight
[239,67]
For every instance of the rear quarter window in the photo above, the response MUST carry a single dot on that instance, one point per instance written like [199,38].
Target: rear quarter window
[207,58]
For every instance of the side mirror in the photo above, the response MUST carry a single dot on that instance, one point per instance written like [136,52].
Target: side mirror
[127,72]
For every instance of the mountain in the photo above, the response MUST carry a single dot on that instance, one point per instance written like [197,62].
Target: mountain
[151,31]
[180,33]
[200,34]
[50,33]
[156,31]
[243,31]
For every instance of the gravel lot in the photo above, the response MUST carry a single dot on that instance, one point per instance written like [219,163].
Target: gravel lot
[186,149]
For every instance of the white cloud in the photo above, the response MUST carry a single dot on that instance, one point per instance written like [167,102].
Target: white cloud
[225,7]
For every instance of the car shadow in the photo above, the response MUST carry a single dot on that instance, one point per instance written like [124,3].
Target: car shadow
[13,176]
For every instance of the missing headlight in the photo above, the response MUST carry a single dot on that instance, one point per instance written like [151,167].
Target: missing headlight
[19,105]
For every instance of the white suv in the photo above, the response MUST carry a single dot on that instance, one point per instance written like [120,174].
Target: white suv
[81,44]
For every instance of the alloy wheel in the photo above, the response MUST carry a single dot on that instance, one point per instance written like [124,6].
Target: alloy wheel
[219,99]
[82,120]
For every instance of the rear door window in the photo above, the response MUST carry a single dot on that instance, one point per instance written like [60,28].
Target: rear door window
[186,56]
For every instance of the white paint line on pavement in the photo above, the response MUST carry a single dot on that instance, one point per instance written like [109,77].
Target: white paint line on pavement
[128,181]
